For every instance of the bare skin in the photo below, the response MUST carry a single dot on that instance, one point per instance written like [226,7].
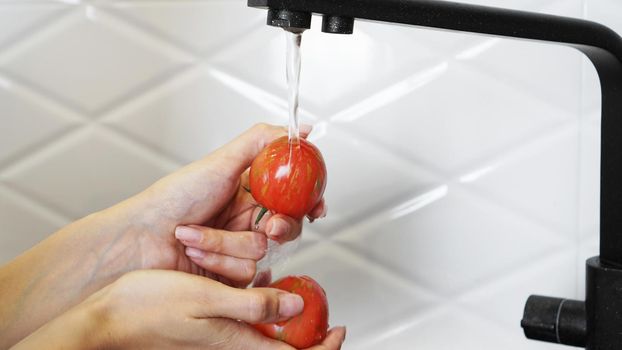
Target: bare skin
[139,233]
[192,312]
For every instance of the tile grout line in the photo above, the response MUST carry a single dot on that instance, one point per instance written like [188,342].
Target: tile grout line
[34,147]
[130,97]
[453,180]
[160,79]
[163,36]
[50,211]
[486,282]
[81,113]
[38,26]
[44,202]
[166,158]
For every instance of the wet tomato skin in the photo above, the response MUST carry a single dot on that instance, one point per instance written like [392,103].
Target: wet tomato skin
[311,326]
[288,178]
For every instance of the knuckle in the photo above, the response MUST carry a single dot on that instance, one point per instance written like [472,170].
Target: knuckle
[260,243]
[248,270]
[213,242]
[259,127]
[259,307]
[212,261]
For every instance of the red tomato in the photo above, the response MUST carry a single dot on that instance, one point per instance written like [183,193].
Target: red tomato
[288,178]
[310,327]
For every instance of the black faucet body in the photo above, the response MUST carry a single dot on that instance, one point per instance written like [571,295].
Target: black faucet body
[595,324]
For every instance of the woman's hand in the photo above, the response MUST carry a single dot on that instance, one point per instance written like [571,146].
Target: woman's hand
[173,310]
[207,207]
[205,200]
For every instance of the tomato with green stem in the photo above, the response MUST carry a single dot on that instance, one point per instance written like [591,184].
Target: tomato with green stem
[288,177]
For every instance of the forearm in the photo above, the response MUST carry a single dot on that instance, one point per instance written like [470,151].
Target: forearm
[83,327]
[64,269]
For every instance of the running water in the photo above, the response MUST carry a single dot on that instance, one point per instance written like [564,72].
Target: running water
[277,254]
[293,82]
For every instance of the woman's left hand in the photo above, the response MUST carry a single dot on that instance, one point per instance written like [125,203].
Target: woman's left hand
[206,206]
[173,310]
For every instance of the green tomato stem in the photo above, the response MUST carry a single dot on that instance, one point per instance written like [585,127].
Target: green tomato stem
[262,212]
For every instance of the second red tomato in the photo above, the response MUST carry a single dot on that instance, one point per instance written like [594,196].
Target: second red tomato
[311,326]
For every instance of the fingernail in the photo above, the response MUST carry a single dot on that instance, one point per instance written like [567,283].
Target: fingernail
[279,228]
[188,234]
[290,304]
[195,253]
[305,128]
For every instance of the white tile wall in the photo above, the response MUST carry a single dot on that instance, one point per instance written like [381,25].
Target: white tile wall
[463,169]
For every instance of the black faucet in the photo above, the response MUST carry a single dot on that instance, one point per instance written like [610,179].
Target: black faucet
[595,324]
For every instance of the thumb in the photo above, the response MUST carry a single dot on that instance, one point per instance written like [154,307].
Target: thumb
[241,151]
[255,305]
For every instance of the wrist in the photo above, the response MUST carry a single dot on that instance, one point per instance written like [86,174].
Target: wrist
[96,328]
[83,327]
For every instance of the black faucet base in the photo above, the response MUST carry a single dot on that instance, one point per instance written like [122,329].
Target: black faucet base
[603,301]
[555,320]
[566,321]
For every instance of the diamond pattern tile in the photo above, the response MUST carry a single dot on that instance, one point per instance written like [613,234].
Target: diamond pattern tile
[538,63]
[448,329]
[30,121]
[553,161]
[341,274]
[181,118]
[477,244]
[17,18]
[463,169]
[606,12]
[76,176]
[194,23]
[503,300]
[365,179]
[23,225]
[374,56]
[114,60]
[472,115]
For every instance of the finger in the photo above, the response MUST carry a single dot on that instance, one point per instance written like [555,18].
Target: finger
[319,211]
[263,279]
[282,228]
[241,151]
[242,244]
[244,180]
[254,305]
[245,337]
[235,269]
[333,341]
[225,280]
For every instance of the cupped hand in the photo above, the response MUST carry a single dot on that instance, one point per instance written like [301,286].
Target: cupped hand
[168,309]
[206,205]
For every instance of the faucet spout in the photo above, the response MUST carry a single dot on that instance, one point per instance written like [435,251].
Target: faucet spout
[292,21]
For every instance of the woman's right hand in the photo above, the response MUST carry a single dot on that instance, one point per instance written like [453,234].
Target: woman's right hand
[173,310]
